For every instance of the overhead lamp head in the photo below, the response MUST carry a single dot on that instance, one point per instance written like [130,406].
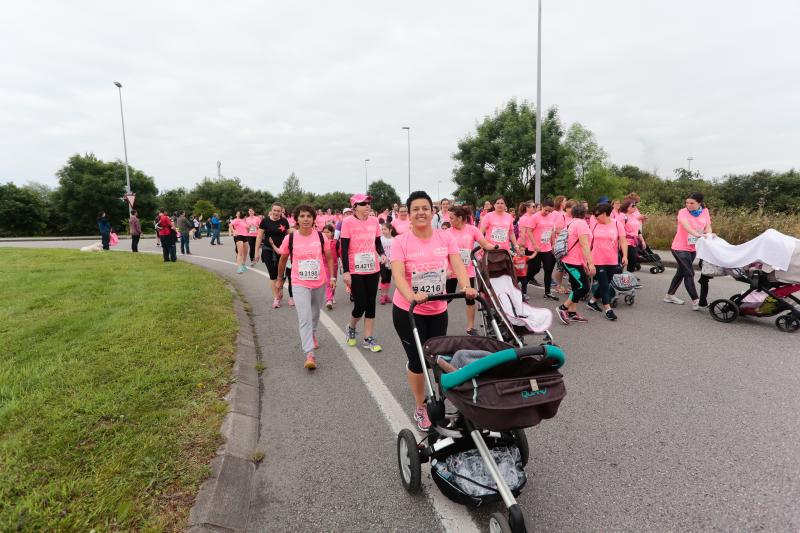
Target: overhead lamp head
[118,84]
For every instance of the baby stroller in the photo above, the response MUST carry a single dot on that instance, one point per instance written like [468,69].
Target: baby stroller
[766,296]
[496,282]
[622,284]
[646,255]
[478,453]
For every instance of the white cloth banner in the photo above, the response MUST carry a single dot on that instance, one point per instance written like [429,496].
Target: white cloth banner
[771,247]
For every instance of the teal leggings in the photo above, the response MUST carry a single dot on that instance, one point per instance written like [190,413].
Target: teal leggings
[578,280]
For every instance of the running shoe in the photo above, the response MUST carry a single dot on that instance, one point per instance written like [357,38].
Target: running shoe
[329,305]
[672,299]
[703,302]
[244,268]
[593,306]
[311,361]
[472,331]
[351,335]
[291,301]
[252,263]
[563,315]
[610,315]
[577,317]
[276,303]
[333,301]
[239,269]
[696,305]
[421,417]
[371,345]
[549,296]
[316,342]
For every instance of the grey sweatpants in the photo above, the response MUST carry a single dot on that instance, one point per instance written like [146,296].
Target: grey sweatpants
[307,303]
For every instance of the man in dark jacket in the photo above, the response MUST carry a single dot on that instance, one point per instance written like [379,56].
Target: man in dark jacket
[184,226]
[105,228]
[135,228]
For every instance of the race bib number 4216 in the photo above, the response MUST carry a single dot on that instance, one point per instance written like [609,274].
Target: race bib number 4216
[430,281]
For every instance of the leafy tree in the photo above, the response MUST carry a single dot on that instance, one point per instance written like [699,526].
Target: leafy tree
[333,200]
[584,155]
[203,209]
[293,195]
[22,212]
[88,185]
[500,157]
[383,195]
[174,200]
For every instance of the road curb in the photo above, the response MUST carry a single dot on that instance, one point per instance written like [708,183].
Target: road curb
[223,501]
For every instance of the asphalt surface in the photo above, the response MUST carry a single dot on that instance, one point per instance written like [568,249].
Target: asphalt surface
[672,422]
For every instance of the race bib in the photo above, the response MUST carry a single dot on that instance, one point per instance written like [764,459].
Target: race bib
[499,234]
[545,238]
[309,270]
[464,256]
[252,229]
[692,240]
[431,282]
[364,262]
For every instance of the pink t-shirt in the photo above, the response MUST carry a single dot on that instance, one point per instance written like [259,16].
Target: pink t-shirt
[309,266]
[605,243]
[334,254]
[544,228]
[401,226]
[465,239]
[362,258]
[498,228]
[577,227]
[252,225]
[522,223]
[425,263]
[683,240]
[632,227]
[239,227]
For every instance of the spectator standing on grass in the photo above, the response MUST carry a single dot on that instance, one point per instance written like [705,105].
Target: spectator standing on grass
[105,228]
[135,229]
[165,236]
[185,227]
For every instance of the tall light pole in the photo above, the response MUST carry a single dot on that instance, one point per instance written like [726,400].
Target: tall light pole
[689,160]
[125,147]
[538,186]
[219,170]
[366,181]
[408,129]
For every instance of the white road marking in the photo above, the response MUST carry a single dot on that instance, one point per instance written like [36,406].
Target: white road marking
[455,518]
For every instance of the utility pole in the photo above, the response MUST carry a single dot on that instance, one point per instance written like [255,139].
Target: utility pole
[366,180]
[689,160]
[125,147]
[219,170]
[538,186]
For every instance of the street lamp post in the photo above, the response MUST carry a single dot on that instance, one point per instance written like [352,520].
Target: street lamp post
[366,181]
[125,147]
[538,185]
[689,160]
[408,129]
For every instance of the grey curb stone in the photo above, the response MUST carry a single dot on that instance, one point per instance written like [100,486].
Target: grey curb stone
[223,502]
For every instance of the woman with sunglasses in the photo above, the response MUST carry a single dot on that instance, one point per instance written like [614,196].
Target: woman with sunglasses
[362,254]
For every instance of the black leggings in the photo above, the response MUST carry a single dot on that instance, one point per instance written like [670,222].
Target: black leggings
[251,240]
[684,273]
[603,277]
[288,275]
[578,280]
[542,259]
[451,285]
[427,326]
[633,257]
[386,275]
[270,259]
[364,288]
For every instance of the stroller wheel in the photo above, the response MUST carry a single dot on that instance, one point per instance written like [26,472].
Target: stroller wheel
[654,270]
[522,443]
[499,524]
[787,323]
[630,299]
[408,461]
[723,310]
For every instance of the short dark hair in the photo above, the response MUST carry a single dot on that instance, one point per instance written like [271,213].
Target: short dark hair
[548,202]
[604,208]
[393,230]
[697,197]
[578,211]
[623,208]
[304,208]
[418,195]
[330,227]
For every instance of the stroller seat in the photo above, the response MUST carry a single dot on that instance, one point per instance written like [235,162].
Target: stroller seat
[519,313]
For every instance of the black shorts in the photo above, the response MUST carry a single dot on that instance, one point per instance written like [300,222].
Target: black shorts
[241,238]
[427,326]
[452,284]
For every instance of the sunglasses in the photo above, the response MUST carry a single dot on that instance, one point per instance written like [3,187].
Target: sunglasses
[362,204]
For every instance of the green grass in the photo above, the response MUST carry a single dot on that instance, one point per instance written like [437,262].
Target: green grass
[112,372]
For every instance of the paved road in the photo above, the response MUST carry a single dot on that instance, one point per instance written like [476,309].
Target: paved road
[672,422]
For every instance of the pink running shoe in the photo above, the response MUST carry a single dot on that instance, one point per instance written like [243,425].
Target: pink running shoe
[276,303]
[291,302]
[316,342]
[421,416]
[311,361]
[577,317]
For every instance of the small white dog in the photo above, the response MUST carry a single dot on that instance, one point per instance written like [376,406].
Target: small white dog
[96,247]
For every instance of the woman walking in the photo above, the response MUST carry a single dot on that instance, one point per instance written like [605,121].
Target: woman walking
[271,231]
[238,229]
[694,222]
[633,233]
[498,226]
[389,233]
[578,264]
[539,233]
[362,253]
[253,222]
[311,260]
[420,260]
[607,242]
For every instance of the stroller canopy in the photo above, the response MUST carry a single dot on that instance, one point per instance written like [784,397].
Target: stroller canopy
[773,248]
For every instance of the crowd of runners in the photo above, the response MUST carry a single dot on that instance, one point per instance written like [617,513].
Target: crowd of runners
[423,248]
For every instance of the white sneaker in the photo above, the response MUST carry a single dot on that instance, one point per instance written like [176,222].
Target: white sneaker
[672,299]
[696,305]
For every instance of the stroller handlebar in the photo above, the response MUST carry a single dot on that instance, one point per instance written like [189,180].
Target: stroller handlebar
[552,354]
[439,297]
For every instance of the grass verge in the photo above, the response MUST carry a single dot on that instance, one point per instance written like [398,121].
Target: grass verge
[112,372]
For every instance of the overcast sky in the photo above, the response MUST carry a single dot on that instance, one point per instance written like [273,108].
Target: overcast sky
[316,87]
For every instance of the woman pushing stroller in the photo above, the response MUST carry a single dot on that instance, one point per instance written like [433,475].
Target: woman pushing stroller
[421,258]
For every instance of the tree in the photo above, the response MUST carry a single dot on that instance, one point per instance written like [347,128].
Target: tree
[203,209]
[500,157]
[293,195]
[174,200]
[88,185]
[333,200]
[22,212]
[583,154]
[383,195]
